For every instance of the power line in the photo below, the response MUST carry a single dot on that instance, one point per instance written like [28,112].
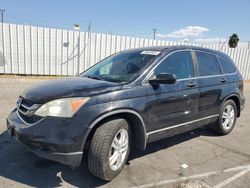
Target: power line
[223,44]
[2,11]
[154,29]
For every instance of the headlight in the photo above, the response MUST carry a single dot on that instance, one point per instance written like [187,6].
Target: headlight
[66,107]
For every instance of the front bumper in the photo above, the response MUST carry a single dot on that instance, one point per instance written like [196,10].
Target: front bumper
[55,139]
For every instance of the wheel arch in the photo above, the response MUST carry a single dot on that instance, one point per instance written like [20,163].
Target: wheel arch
[135,121]
[236,99]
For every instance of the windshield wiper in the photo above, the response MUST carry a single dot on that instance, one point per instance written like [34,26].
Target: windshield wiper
[99,78]
[94,77]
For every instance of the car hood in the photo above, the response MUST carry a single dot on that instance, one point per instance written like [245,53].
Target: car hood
[69,87]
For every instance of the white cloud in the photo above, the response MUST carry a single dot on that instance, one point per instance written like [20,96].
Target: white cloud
[210,40]
[189,31]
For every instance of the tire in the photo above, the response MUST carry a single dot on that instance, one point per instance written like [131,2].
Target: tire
[107,156]
[221,127]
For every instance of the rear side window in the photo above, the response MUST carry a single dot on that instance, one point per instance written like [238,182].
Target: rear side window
[208,64]
[180,64]
[227,67]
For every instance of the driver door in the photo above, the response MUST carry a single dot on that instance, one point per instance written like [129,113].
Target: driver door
[172,107]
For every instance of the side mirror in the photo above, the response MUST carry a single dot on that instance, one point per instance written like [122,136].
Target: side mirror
[164,78]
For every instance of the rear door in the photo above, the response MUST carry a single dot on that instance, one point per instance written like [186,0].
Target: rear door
[211,83]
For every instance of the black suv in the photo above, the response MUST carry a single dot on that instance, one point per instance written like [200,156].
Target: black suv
[128,100]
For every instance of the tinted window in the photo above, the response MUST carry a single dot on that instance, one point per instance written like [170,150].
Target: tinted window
[226,66]
[180,64]
[208,64]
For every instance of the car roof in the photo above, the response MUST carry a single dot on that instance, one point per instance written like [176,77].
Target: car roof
[153,48]
[179,47]
[176,47]
[183,47]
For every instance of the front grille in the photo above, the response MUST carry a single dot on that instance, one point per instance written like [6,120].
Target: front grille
[26,102]
[26,110]
[29,119]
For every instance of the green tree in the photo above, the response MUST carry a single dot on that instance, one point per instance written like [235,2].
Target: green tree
[233,40]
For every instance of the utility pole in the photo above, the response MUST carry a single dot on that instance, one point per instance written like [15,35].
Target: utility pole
[89,42]
[154,32]
[2,11]
[77,28]
[89,29]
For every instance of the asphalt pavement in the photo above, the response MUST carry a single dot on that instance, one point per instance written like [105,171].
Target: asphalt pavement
[198,158]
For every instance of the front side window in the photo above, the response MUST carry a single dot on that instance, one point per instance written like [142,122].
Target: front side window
[180,64]
[208,64]
[122,67]
[226,66]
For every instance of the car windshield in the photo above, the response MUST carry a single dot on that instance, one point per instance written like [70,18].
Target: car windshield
[121,67]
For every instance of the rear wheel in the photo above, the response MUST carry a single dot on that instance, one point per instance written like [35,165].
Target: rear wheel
[227,118]
[109,150]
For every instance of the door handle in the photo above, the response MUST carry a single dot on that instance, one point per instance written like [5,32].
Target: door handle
[223,80]
[191,84]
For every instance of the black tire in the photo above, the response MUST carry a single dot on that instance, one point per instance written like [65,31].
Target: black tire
[218,126]
[100,149]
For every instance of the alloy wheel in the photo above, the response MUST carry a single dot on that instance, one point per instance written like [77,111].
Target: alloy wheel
[228,116]
[118,149]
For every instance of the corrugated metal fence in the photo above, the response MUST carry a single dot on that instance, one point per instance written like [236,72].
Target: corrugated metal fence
[33,50]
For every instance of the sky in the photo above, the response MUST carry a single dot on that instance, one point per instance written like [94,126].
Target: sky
[196,21]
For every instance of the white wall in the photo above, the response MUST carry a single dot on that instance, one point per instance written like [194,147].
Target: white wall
[45,51]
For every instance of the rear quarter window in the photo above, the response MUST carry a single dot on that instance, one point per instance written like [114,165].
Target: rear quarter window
[208,64]
[227,66]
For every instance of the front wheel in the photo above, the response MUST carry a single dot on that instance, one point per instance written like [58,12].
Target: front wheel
[227,118]
[109,150]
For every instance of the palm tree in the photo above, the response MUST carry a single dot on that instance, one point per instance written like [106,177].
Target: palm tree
[233,40]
